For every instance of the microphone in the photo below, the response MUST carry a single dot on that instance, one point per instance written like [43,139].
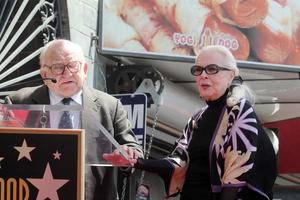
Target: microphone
[53,80]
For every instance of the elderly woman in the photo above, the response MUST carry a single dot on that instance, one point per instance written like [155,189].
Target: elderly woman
[224,152]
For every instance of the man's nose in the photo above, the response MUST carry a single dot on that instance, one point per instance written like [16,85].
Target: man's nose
[66,72]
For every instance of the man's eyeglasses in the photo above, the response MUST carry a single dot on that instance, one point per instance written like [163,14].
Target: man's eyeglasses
[58,69]
[210,69]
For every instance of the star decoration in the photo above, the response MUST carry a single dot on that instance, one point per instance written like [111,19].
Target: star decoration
[47,186]
[56,155]
[24,150]
[1,158]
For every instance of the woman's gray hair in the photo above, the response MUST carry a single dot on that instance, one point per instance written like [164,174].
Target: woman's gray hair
[229,60]
[239,91]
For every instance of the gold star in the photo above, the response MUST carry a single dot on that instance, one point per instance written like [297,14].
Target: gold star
[24,150]
[56,155]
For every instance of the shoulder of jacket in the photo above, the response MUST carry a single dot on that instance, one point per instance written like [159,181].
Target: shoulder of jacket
[100,96]
[24,93]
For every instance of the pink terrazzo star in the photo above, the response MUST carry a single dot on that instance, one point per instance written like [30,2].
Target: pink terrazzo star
[47,186]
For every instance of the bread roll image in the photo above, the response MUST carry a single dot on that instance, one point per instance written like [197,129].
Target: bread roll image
[217,33]
[298,35]
[155,33]
[190,17]
[118,34]
[295,10]
[186,16]
[294,56]
[247,13]
[266,29]
[272,39]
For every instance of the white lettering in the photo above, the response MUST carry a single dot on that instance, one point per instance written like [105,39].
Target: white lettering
[209,37]
[184,39]
[135,116]
[140,138]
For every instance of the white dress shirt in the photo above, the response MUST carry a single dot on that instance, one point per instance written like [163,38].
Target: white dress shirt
[56,115]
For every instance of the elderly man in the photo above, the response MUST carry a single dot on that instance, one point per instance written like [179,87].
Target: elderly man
[64,61]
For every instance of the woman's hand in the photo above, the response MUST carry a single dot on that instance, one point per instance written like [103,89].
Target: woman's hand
[118,159]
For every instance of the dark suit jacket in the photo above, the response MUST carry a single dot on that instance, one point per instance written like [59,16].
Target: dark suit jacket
[98,107]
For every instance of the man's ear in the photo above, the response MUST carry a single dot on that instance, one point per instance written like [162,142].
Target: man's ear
[42,73]
[85,68]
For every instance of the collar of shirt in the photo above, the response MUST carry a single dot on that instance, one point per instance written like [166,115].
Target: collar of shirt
[54,115]
[55,99]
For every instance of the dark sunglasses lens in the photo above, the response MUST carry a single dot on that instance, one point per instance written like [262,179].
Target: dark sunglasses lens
[211,69]
[196,70]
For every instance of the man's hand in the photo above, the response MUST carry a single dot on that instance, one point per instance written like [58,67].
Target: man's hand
[116,158]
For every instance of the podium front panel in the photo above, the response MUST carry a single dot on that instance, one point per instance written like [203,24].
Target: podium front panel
[41,163]
[98,140]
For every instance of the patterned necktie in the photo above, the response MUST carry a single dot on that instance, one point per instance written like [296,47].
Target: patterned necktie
[66,121]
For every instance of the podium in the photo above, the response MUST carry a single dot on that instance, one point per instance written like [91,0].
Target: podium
[39,161]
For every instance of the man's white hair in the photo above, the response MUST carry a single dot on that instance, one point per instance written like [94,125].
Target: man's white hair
[52,46]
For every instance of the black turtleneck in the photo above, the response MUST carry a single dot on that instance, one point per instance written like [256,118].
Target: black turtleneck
[197,183]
